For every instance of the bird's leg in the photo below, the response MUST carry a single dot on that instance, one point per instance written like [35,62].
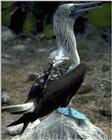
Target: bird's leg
[67,101]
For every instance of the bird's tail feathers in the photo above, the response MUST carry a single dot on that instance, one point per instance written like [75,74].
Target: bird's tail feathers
[20,109]
[19,121]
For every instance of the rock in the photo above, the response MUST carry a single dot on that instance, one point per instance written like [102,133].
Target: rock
[16,130]
[40,36]
[84,99]
[5,98]
[20,47]
[58,126]
[6,56]
[7,61]
[90,67]
[105,107]
[105,112]
[107,94]
[32,76]
[85,89]
[105,67]
[41,50]
[105,33]
[7,34]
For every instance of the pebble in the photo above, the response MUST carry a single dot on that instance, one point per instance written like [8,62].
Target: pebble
[105,112]
[41,50]
[105,68]
[14,130]
[5,98]
[40,36]
[20,47]
[7,34]
[32,76]
[85,89]
[104,106]
[6,56]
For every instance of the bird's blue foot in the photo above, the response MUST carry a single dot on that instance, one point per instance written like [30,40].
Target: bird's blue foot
[72,113]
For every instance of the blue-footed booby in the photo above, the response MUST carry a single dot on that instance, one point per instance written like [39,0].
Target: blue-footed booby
[58,83]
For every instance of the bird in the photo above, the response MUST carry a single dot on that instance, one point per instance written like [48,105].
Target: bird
[59,81]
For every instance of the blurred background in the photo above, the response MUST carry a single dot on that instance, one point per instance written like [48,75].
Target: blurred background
[27,41]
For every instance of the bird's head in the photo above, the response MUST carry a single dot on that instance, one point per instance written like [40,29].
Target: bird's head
[63,22]
[79,8]
[70,11]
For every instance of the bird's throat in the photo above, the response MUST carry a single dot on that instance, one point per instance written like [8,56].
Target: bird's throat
[67,47]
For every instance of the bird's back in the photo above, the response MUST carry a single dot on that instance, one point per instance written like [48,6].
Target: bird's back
[46,77]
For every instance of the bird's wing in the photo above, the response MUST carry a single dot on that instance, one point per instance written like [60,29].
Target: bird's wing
[60,91]
[58,70]
[67,85]
[38,85]
[46,77]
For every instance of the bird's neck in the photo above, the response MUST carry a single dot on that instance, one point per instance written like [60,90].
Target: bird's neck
[66,43]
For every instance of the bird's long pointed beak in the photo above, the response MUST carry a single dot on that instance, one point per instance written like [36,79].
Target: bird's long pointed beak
[84,7]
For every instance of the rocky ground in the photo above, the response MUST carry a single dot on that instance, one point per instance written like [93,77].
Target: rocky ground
[23,57]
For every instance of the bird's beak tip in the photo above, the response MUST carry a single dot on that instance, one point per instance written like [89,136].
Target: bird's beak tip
[84,7]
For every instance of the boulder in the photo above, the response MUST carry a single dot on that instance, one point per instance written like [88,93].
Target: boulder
[7,34]
[58,126]
[5,99]
[16,130]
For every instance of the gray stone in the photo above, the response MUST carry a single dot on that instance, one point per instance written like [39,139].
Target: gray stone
[6,56]
[16,130]
[5,98]
[41,50]
[32,76]
[20,47]
[104,106]
[86,88]
[58,126]
[39,36]
[7,61]
[7,34]
[105,67]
